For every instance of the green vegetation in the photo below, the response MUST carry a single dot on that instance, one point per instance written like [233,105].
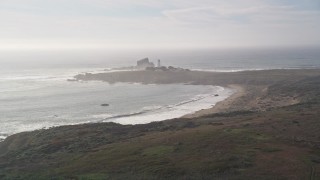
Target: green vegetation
[173,149]
[281,142]
[158,150]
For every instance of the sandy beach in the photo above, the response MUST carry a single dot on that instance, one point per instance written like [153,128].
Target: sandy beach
[269,128]
[251,87]
[222,106]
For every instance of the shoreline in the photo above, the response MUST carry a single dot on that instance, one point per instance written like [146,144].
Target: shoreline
[160,115]
[270,121]
[221,105]
[249,86]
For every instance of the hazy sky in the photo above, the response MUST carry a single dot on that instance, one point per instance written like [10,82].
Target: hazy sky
[158,23]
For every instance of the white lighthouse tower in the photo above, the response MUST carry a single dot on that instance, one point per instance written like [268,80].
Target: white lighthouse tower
[159,63]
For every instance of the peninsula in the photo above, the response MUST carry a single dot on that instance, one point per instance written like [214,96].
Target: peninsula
[269,129]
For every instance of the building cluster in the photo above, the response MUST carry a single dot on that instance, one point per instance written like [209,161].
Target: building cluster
[145,64]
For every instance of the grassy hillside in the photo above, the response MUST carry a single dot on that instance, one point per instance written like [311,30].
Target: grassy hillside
[280,143]
[277,143]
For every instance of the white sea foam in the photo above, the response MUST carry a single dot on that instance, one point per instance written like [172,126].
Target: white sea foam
[199,102]
[2,138]
[34,105]
[102,116]
[34,87]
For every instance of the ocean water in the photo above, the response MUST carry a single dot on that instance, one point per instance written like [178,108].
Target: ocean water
[35,93]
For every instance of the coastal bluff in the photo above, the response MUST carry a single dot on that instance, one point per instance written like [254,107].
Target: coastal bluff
[262,89]
[270,131]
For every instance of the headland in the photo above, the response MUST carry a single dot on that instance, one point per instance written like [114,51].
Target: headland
[269,129]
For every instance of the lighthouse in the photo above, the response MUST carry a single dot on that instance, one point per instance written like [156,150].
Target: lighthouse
[159,64]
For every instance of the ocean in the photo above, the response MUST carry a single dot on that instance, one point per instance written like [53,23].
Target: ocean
[35,93]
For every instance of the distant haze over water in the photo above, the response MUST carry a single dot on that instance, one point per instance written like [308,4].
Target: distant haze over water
[228,59]
[34,92]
